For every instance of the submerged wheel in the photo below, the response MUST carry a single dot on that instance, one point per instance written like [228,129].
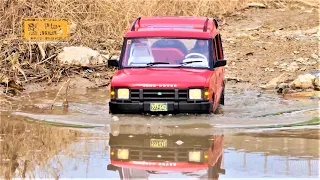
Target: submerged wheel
[222,97]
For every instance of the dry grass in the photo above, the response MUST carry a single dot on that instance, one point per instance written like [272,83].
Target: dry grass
[100,25]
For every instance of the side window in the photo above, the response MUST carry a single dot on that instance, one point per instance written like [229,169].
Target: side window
[218,47]
[215,52]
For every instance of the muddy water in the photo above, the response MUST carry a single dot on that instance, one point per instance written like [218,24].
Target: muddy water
[159,146]
[246,108]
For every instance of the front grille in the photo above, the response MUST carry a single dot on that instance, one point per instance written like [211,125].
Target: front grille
[149,154]
[159,94]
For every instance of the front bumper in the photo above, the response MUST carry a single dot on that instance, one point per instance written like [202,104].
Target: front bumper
[173,107]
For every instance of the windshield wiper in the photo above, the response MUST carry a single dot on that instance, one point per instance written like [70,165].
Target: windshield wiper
[189,62]
[154,63]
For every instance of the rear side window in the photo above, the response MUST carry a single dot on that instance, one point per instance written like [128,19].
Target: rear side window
[217,47]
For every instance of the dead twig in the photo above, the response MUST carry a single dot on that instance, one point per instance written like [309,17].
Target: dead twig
[59,92]
[47,59]
[42,51]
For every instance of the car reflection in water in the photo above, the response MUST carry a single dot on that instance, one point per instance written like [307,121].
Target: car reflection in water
[141,154]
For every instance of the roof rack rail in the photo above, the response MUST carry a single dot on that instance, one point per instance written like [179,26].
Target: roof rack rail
[134,24]
[205,26]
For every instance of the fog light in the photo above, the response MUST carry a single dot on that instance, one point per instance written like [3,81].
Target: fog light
[123,93]
[195,94]
[123,154]
[195,156]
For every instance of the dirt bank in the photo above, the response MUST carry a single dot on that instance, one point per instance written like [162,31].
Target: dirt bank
[261,44]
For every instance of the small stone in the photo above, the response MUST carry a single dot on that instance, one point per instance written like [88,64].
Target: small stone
[293,67]
[296,52]
[303,82]
[283,66]
[276,63]
[300,60]
[309,11]
[233,63]
[258,5]
[115,118]
[311,31]
[281,87]
[314,56]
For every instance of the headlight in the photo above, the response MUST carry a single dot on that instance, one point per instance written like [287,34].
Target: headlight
[123,154]
[195,94]
[195,156]
[123,93]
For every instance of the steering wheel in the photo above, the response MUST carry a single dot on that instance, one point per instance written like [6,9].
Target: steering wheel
[196,54]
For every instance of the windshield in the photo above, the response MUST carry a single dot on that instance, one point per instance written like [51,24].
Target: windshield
[161,52]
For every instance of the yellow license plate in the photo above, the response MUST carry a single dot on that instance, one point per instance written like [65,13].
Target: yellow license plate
[158,107]
[158,143]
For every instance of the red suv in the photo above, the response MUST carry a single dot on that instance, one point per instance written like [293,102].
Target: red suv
[169,65]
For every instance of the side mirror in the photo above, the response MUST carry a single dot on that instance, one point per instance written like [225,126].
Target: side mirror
[220,63]
[113,62]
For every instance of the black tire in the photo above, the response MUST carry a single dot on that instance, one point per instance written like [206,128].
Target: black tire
[222,97]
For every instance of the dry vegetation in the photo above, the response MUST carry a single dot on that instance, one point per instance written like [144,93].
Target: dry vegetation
[100,25]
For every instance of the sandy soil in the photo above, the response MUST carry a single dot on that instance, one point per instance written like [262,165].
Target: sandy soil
[259,43]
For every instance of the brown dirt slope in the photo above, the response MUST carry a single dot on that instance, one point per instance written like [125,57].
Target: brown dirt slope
[261,44]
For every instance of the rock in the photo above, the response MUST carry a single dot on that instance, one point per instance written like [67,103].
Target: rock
[311,31]
[316,83]
[115,118]
[304,81]
[258,5]
[269,69]
[293,67]
[301,60]
[314,56]
[282,87]
[296,52]
[283,66]
[80,56]
[243,36]
[283,78]
[309,11]
[276,63]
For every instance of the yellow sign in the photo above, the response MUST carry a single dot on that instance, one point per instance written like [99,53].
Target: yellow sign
[45,29]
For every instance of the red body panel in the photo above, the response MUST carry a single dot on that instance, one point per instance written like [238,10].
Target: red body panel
[162,77]
[160,166]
